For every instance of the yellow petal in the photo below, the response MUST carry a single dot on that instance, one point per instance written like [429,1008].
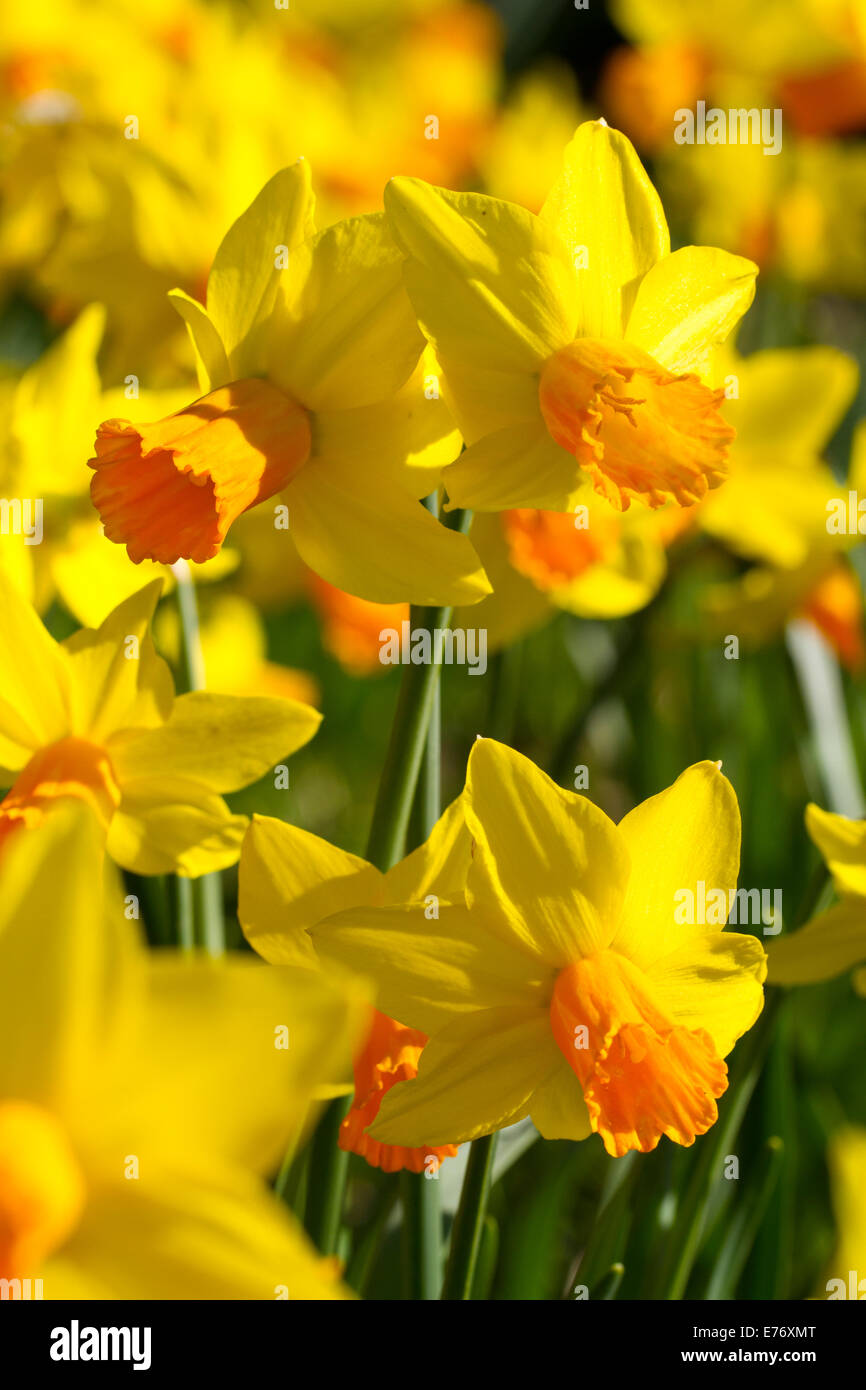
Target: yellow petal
[427,969]
[118,681]
[34,681]
[770,511]
[558,1109]
[212,364]
[489,282]
[549,867]
[610,217]
[58,927]
[622,584]
[379,546]
[54,409]
[842,842]
[290,880]
[476,1076]
[245,276]
[827,946]
[438,866]
[235,1053]
[684,835]
[405,440]
[222,742]
[791,401]
[344,334]
[519,466]
[484,400]
[194,1237]
[713,981]
[168,825]
[689,302]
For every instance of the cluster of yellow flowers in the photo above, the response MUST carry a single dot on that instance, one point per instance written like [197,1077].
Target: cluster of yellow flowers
[561,373]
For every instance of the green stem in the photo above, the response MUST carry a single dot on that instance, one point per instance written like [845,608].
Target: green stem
[327,1181]
[184,915]
[207,890]
[422,1236]
[686,1238]
[415,706]
[416,703]
[362,1265]
[469,1221]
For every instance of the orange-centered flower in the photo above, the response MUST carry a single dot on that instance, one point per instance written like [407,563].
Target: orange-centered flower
[550,550]
[173,489]
[637,429]
[72,767]
[642,1075]
[41,1187]
[390,1054]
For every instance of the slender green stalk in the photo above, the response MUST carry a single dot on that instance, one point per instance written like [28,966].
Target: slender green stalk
[385,846]
[469,1221]
[184,915]
[609,1233]
[685,1239]
[745,1222]
[362,1265]
[422,1236]
[488,1258]
[609,1285]
[415,705]
[329,1166]
[210,930]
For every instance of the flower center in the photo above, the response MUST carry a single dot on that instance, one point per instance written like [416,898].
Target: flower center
[72,767]
[41,1188]
[171,490]
[642,1075]
[550,550]
[637,429]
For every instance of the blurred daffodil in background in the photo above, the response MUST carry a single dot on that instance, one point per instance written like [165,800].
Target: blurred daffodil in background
[142,1098]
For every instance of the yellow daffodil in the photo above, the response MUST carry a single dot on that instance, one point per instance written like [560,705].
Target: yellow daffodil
[96,718]
[289,881]
[777,507]
[785,405]
[313,359]
[144,1097]
[47,430]
[834,941]
[598,564]
[559,984]
[572,343]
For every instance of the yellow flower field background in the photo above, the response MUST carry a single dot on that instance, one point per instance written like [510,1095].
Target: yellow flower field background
[518,348]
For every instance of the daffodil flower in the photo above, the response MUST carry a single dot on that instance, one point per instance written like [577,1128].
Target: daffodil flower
[573,343]
[96,718]
[605,565]
[835,940]
[775,507]
[46,430]
[144,1097]
[312,359]
[290,879]
[559,985]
